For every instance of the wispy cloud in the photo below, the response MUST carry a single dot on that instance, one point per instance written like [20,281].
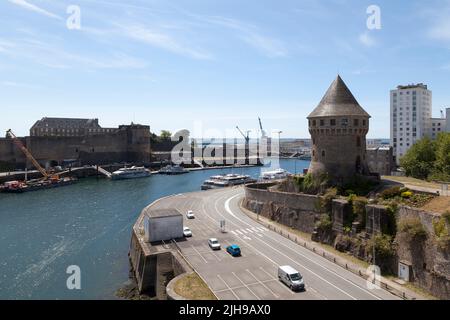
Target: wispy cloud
[28,6]
[54,56]
[367,40]
[250,34]
[18,85]
[161,40]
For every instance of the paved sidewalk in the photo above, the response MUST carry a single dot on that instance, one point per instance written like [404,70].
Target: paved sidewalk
[386,284]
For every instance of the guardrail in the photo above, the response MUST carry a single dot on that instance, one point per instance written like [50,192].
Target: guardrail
[384,285]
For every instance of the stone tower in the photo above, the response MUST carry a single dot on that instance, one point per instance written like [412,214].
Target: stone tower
[338,127]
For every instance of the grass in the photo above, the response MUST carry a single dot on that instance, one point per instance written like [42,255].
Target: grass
[415,289]
[438,205]
[192,287]
[413,181]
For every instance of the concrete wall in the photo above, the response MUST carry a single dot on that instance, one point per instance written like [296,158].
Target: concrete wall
[295,210]
[430,263]
[381,161]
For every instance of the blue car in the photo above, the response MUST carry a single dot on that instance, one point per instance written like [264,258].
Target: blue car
[234,250]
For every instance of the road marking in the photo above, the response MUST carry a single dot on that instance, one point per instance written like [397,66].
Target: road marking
[242,287]
[227,208]
[234,274]
[239,232]
[198,252]
[249,230]
[231,290]
[244,231]
[234,233]
[282,284]
[275,295]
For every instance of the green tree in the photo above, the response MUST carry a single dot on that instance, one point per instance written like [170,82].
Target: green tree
[418,162]
[442,163]
[165,135]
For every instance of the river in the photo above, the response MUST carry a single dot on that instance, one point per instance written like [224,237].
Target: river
[87,224]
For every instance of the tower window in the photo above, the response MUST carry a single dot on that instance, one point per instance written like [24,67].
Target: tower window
[358,141]
[314,123]
[344,122]
[364,122]
[355,122]
[322,122]
[332,122]
[323,153]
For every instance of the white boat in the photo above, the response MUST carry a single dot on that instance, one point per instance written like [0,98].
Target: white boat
[227,180]
[130,173]
[275,174]
[173,170]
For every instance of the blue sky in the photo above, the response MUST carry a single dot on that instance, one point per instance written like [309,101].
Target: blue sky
[222,63]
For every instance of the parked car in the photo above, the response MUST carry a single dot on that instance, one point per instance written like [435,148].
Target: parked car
[190,215]
[234,250]
[187,232]
[214,244]
[291,277]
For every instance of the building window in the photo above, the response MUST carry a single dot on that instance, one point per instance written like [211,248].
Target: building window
[332,122]
[322,123]
[364,123]
[344,122]
[323,153]
[355,122]
[358,141]
[314,123]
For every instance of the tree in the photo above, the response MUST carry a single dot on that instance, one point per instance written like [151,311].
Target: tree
[418,162]
[165,135]
[442,164]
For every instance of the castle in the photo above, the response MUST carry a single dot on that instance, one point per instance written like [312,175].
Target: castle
[62,141]
[338,127]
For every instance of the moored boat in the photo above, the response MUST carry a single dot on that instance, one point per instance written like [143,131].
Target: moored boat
[227,180]
[130,173]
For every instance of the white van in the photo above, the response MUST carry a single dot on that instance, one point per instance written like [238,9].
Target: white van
[291,277]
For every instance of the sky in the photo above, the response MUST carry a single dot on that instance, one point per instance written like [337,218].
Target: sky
[208,66]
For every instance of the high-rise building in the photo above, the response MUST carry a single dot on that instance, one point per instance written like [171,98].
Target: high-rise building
[410,117]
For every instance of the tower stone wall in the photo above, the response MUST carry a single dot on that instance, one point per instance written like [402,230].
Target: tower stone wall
[338,127]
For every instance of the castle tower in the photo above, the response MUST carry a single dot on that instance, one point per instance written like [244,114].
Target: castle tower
[338,127]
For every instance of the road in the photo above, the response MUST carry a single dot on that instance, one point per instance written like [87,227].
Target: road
[254,275]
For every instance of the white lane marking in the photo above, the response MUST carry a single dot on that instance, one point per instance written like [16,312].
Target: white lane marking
[244,231]
[281,284]
[234,233]
[234,274]
[198,252]
[231,290]
[227,208]
[262,229]
[242,287]
[249,230]
[275,295]
[239,232]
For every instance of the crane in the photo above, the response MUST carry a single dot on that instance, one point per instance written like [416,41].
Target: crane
[246,137]
[263,132]
[27,153]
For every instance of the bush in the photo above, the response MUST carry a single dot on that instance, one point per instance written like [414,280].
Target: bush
[325,223]
[407,194]
[327,199]
[383,246]
[391,193]
[359,185]
[413,227]
[441,230]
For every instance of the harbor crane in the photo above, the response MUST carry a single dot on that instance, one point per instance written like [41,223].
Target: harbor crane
[263,132]
[246,137]
[27,153]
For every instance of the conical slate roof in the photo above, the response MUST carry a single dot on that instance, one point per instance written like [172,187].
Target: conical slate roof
[338,101]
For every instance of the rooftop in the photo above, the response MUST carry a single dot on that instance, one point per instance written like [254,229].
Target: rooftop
[161,213]
[338,101]
[67,122]
[413,86]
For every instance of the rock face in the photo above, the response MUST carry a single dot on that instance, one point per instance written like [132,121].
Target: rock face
[338,127]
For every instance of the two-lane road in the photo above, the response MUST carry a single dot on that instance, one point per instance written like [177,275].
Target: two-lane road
[253,276]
